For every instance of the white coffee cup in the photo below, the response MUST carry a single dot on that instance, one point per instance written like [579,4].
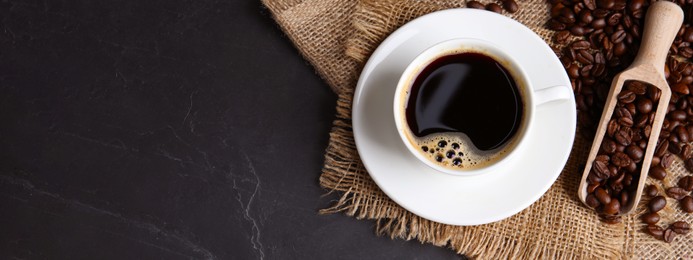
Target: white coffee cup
[532,97]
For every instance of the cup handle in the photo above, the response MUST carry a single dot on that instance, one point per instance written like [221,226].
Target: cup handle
[546,95]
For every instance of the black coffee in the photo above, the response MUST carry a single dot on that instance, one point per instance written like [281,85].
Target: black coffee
[470,93]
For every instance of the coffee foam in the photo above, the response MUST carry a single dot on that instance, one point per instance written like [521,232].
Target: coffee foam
[438,145]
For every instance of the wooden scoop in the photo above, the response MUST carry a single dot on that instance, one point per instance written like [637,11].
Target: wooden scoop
[662,23]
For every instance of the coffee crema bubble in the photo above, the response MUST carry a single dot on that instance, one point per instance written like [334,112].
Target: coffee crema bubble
[455,150]
[463,110]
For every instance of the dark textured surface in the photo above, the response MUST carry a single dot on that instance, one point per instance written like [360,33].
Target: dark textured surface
[166,130]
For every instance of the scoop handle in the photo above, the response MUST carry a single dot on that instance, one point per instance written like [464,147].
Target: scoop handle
[663,22]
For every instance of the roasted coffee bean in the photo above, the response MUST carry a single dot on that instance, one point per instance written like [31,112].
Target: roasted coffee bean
[585,16]
[577,30]
[686,150]
[655,161]
[676,193]
[584,57]
[613,170]
[585,70]
[591,5]
[598,69]
[688,35]
[618,36]
[601,13]
[686,183]
[493,7]
[573,71]
[628,180]
[635,5]
[479,5]
[602,157]
[598,23]
[665,130]
[566,16]
[644,105]
[686,52]
[608,146]
[552,24]
[651,191]
[657,203]
[667,160]
[637,137]
[624,198]
[623,137]
[623,111]
[631,108]
[662,148]
[601,169]
[510,6]
[675,139]
[655,231]
[612,128]
[680,227]
[634,152]
[680,88]
[654,94]
[592,201]
[593,178]
[682,104]
[626,96]
[591,187]
[647,130]
[620,159]
[674,146]
[641,121]
[650,218]
[669,235]
[626,121]
[636,87]
[677,115]
[632,167]
[619,5]
[658,172]
[686,204]
[602,196]
[580,45]
[616,185]
[562,36]
[612,208]
[682,133]
[688,164]
[620,49]
[606,4]
[627,22]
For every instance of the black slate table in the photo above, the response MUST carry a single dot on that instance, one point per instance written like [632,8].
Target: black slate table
[166,129]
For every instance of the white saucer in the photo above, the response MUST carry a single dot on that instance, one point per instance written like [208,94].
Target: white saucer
[442,197]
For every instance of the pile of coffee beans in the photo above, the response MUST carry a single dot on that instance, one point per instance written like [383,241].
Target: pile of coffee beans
[598,39]
[509,5]
[613,178]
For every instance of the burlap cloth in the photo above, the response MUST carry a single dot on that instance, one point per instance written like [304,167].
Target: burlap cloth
[337,37]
